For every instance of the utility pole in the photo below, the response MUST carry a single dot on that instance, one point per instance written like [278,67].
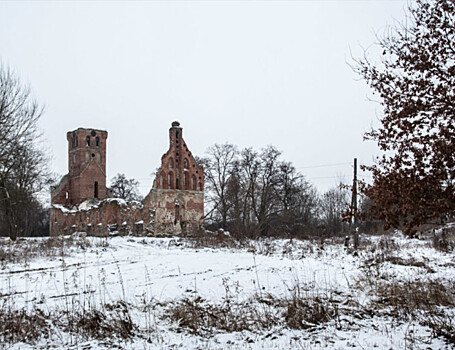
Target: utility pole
[354,206]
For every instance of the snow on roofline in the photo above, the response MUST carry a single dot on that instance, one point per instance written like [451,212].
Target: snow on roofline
[86,205]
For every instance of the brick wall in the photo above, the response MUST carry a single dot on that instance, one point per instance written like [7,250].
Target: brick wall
[111,216]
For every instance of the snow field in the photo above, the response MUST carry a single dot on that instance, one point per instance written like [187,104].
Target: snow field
[152,275]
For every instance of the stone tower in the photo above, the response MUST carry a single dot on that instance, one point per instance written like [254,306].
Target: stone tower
[86,178]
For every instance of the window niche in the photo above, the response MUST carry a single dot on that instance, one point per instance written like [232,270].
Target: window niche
[161,181]
[186,181]
[193,183]
[170,181]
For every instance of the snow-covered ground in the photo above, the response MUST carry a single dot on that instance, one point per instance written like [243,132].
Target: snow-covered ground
[152,276]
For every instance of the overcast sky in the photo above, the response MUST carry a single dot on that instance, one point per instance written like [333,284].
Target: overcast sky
[251,73]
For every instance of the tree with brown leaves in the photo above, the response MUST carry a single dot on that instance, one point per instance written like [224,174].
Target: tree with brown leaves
[413,182]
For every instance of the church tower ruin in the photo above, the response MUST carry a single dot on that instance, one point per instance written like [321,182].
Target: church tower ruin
[86,178]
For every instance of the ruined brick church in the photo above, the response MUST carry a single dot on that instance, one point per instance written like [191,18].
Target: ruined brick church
[82,202]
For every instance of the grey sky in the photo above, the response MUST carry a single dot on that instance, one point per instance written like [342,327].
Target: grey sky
[251,73]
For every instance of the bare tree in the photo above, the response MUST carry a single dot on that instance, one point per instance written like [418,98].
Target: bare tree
[254,193]
[263,178]
[218,171]
[125,188]
[300,210]
[23,164]
[333,203]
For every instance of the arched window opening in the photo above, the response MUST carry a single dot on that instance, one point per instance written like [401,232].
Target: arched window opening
[177,183]
[96,189]
[170,181]
[87,141]
[171,163]
[66,195]
[200,186]
[186,181]
[161,181]
[97,141]
[185,163]
[73,140]
[193,183]
[177,212]
[176,134]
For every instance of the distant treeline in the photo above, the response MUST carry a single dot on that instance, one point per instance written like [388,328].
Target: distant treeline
[255,193]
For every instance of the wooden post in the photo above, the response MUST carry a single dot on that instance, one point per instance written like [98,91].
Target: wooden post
[354,206]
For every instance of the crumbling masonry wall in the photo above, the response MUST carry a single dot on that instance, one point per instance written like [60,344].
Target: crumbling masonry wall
[111,216]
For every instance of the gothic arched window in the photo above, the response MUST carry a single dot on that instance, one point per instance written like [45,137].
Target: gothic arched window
[161,181]
[170,180]
[186,181]
[193,183]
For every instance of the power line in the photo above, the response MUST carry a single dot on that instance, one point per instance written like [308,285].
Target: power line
[325,177]
[305,167]
[324,165]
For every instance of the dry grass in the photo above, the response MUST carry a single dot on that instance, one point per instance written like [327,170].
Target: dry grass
[201,317]
[23,325]
[209,239]
[29,326]
[441,326]
[405,298]
[111,321]
[307,313]
[25,250]
[444,239]
[262,311]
